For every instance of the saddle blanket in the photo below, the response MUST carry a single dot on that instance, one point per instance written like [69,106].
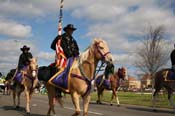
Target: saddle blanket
[100,81]
[170,76]
[61,78]
[18,76]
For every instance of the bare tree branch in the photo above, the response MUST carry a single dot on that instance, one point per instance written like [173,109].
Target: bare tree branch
[151,56]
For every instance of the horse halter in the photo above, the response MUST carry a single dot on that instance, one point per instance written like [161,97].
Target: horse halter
[101,54]
[121,74]
[33,71]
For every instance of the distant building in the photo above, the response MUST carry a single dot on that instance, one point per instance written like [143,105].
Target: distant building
[132,83]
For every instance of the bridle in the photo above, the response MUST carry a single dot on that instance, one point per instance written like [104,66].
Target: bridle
[99,51]
[120,74]
[33,72]
[84,77]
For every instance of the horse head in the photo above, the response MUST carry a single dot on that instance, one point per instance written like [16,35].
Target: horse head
[122,73]
[101,51]
[33,67]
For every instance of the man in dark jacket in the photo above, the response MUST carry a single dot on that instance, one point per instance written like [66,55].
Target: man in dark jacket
[24,57]
[109,70]
[22,63]
[68,43]
[172,56]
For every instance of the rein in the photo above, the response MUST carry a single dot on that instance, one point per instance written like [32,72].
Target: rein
[102,55]
[85,77]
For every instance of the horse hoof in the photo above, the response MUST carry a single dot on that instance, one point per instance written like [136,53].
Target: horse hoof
[97,101]
[17,107]
[118,105]
[28,114]
[154,110]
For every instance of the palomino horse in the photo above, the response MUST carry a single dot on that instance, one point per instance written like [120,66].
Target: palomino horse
[161,80]
[81,75]
[29,82]
[111,83]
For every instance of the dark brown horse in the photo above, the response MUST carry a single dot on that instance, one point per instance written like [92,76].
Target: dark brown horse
[111,83]
[162,79]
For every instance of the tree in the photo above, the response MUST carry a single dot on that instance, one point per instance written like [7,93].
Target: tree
[152,55]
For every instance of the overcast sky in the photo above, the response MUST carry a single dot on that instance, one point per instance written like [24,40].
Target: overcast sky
[121,23]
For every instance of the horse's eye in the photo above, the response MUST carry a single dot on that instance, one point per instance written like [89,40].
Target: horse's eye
[101,47]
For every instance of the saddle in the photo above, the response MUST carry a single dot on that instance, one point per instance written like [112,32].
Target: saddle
[103,81]
[60,79]
[19,75]
[169,75]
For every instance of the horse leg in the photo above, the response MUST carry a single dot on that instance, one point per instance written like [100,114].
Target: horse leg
[154,98]
[112,97]
[75,100]
[18,95]
[170,93]
[5,90]
[86,100]
[8,90]
[100,92]
[116,98]
[99,95]
[14,98]
[27,101]
[51,97]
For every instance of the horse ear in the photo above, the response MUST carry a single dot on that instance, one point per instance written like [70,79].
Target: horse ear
[30,59]
[96,40]
[36,59]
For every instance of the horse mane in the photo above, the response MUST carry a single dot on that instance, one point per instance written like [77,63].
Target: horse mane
[33,60]
[84,55]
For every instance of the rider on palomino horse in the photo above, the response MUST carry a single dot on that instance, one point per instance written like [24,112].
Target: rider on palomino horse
[69,46]
[23,62]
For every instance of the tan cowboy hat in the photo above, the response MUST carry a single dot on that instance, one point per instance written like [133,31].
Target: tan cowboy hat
[69,26]
[25,48]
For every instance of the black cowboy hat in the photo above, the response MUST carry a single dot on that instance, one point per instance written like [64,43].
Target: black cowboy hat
[69,26]
[25,48]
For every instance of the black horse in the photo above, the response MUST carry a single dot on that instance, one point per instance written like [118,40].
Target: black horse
[46,72]
[163,78]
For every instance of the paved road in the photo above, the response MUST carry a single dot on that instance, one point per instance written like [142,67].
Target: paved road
[39,107]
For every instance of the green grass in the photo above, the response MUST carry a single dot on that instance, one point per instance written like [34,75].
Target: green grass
[135,99]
